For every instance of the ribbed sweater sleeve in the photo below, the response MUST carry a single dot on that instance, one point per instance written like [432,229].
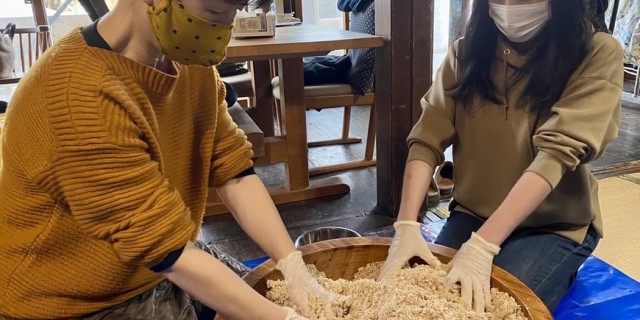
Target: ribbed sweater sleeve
[232,152]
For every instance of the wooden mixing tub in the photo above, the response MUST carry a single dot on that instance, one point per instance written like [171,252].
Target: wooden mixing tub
[341,258]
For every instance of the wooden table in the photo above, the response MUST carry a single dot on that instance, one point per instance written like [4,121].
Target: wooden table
[288,47]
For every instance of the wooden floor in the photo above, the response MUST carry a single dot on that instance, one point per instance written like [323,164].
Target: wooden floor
[356,210]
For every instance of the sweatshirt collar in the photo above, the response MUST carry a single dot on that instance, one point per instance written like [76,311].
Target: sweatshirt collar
[508,52]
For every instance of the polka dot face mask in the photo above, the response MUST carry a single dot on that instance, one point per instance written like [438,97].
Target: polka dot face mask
[186,38]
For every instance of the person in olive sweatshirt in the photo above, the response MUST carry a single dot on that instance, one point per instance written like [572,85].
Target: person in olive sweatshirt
[109,148]
[527,98]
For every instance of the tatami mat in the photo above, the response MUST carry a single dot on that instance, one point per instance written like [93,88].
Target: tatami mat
[620,205]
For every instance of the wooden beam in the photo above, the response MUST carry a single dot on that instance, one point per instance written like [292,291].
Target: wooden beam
[275,149]
[297,8]
[317,188]
[287,6]
[39,13]
[403,75]
[421,54]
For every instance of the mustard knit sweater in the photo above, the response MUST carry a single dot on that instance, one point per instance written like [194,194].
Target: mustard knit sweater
[106,167]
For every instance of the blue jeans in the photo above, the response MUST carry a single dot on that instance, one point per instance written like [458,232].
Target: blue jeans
[546,262]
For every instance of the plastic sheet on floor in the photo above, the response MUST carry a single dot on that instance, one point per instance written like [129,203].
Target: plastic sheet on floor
[251,264]
[601,292]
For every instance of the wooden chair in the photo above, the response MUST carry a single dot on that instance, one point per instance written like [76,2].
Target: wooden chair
[244,87]
[318,97]
[634,71]
[31,43]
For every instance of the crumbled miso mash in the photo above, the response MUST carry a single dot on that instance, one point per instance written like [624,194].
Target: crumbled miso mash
[413,293]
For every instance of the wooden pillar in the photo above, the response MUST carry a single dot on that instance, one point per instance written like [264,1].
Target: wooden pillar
[403,76]
[293,6]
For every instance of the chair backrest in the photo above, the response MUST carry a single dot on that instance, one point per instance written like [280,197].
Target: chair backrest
[360,76]
[29,44]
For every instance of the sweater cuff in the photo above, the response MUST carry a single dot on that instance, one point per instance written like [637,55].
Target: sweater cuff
[245,173]
[167,262]
[548,167]
[423,153]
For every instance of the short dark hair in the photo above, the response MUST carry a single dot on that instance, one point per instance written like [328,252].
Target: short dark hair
[255,4]
[553,55]
[236,2]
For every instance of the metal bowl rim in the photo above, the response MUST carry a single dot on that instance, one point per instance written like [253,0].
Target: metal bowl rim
[299,238]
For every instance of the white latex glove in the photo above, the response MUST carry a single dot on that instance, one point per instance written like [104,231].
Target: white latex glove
[301,285]
[292,315]
[471,267]
[407,243]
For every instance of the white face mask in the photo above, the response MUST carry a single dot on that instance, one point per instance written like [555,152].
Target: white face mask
[520,22]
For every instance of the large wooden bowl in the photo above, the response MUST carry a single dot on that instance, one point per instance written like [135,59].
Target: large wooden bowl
[341,258]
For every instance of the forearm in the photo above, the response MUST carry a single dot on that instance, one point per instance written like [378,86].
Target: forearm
[209,281]
[417,177]
[525,196]
[257,215]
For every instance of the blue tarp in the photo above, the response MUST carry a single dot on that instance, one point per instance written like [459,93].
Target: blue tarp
[601,292]
[255,262]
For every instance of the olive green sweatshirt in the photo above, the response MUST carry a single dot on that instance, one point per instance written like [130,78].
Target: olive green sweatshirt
[494,145]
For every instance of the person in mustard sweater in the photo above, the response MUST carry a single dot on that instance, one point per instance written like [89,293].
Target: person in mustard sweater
[527,98]
[110,144]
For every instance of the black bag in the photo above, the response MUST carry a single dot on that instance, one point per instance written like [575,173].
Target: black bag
[227,69]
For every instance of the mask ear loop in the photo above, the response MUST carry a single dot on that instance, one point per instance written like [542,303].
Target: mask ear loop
[159,59]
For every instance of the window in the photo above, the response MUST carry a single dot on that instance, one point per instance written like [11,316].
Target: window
[326,13]
[322,12]
[18,12]
[63,15]
[440,32]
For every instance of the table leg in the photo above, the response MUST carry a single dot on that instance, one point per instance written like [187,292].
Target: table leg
[298,186]
[293,150]
[295,123]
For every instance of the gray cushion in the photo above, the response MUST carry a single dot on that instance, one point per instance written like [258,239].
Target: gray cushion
[328,89]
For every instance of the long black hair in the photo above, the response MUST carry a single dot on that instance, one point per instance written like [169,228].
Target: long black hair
[554,54]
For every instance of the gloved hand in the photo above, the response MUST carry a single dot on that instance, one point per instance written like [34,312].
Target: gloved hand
[292,315]
[471,267]
[301,284]
[407,243]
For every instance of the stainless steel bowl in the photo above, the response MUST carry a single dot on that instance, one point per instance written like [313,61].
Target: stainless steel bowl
[324,233]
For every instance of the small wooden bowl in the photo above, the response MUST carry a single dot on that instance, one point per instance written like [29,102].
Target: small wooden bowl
[341,258]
